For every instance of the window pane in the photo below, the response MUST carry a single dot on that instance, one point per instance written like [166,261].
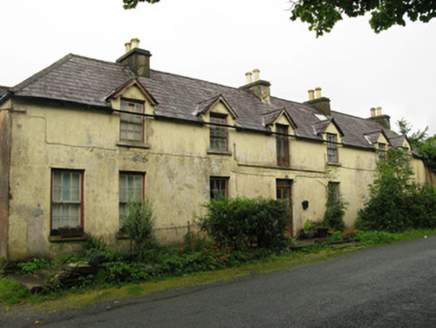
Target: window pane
[131,126]
[131,189]
[218,134]
[218,187]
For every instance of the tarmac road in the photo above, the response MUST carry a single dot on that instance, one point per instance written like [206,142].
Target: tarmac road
[389,286]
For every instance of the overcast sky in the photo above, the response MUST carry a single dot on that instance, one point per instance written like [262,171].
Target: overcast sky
[220,40]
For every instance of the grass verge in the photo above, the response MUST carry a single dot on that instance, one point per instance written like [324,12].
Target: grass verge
[12,293]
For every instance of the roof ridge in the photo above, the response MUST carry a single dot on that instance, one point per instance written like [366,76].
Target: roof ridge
[41,73]
[100,60]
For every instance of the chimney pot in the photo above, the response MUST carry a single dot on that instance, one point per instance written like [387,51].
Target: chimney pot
[134,42]
[372,112]
[318,92]
[379,111]
[256,73]
[128,46]
[249,78]
[311,96]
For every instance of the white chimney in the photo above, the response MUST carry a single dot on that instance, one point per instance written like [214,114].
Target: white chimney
[128,46]
[256,73]
[372,112]
[379,111]
[311,96]
[318,92]
[134,42]
[249,78]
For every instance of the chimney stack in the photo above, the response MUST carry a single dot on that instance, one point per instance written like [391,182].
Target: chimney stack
[258,87]
[137,59]
[383,120]
[321,104]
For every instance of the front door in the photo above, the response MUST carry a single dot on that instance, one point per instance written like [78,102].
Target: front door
[284,192]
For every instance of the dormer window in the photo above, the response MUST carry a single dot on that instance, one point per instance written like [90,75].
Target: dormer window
[282,142]
[218,133]
[132,126]
[332,148]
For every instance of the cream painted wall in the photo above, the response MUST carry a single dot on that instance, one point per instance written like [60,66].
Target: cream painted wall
[177,168]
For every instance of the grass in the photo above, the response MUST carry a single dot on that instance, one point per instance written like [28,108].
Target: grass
[12,293]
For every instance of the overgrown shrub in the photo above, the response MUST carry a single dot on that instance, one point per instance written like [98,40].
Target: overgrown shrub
[334,214]
[395,203]
[139,225]
[31,266]
[241,223]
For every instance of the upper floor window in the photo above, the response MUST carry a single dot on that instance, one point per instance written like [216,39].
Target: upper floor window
[218,134]
[282,142]
[66,199]
[218,187]
[132,126]
[332,148]
[131,189]
[382,152]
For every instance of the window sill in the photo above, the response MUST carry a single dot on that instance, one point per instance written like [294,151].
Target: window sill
[133,144]
[334,164]
[219,152]
[59,239]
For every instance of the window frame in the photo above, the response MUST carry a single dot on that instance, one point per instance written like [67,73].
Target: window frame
[125,202]
[282,143]
[218,118]
[333,188]
[135,102]
[332,146]
[221,180]
[382,155]
[53,202]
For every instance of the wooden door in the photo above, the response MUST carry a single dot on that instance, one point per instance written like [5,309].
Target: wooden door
[284,192]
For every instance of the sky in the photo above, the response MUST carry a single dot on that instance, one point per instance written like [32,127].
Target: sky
[220,40]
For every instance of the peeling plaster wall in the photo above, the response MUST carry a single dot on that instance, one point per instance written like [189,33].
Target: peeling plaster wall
[4,178]
[177,168]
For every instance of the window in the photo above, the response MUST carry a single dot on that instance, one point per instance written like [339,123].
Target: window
[332,148]
[218,134]
[333,192]
[131,126]
[131,187]
[382,152]
[282,142]
[66,199]
[218,187]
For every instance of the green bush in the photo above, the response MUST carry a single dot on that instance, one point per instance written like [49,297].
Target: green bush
[241,223]
[32,266]
[375,237]
[139,225]
[396,205]
[334,214]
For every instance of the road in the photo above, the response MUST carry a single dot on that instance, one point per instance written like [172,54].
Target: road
[388,286]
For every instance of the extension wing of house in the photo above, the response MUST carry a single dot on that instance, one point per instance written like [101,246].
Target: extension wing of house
[81,138]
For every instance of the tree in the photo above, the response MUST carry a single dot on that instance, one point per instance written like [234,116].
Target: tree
[322,15]
[131,4]
[426,147]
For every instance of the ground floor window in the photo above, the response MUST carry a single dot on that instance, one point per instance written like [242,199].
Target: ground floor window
[218,187]
[333,192]
[67,199]
[131,188]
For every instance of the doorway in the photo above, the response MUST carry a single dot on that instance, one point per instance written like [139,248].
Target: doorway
[284,192]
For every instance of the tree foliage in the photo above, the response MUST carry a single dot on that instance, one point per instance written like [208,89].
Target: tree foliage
[425,146]
[396,202]
[323,15]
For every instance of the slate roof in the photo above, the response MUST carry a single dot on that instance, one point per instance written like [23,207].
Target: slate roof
[89,81]
[3,91]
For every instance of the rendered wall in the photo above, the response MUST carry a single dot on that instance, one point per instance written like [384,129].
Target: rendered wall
[4,178]
[177,164]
